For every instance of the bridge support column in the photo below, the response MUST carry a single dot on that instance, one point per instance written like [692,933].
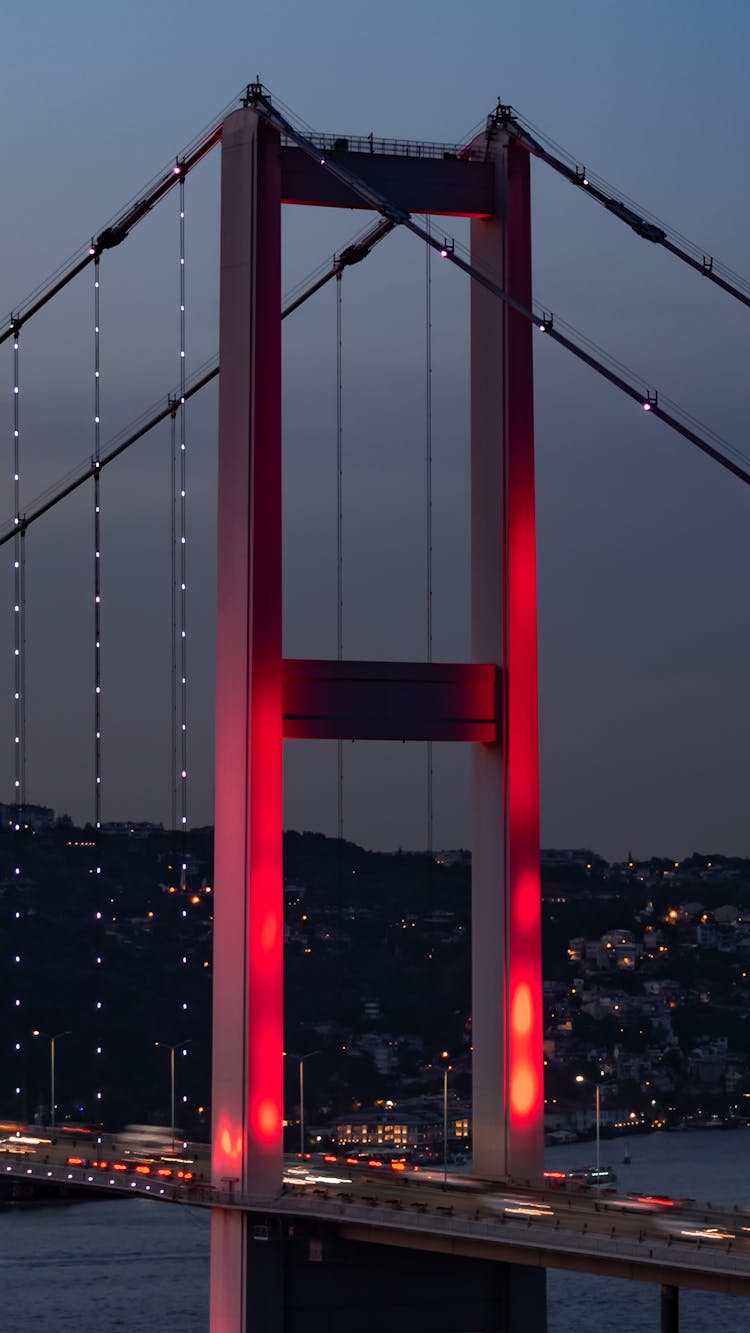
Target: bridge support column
[670,1309]
[508,1109]
[248,900]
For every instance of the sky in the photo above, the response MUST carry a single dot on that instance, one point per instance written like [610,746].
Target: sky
[644,627]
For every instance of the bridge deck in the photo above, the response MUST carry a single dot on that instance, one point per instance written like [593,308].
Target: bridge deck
[579,1234]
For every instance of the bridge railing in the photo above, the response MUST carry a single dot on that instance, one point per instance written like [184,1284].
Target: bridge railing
[554,1233]
[358,143]
[645,1248]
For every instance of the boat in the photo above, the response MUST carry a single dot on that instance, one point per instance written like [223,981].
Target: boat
[601,1175]
[594,1175]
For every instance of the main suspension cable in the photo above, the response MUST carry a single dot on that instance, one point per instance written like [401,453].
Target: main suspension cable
[115,233]
[639,221]
[647,399]
[352,254]
[120,226]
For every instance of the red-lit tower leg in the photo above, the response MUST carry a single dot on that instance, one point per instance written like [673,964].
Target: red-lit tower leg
[248,922]
[507,989]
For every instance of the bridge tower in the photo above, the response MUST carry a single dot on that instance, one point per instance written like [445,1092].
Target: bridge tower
[261,699]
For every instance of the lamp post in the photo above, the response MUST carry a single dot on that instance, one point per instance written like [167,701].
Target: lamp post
[597,1094]
[301,1060]
[51,1038]
[446,1068]
[172,1046]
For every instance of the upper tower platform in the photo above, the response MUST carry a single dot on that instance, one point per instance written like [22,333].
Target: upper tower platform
[455,180]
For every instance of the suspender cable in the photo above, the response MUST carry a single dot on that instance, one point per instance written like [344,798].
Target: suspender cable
[182,600]
[19,610]
[19,700]
[181,648]
[339,552]
[97,566]
[22,672]
[339,596]
[96,465]
[173,609]
[428,508]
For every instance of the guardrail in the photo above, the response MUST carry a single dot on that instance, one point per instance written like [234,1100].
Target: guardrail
[645,1249]
[553,1233]
[367,143]
[46,1173]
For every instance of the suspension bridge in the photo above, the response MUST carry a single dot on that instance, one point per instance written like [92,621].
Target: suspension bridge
[262,698]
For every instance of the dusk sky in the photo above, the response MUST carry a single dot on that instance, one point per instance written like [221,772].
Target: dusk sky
[644,544]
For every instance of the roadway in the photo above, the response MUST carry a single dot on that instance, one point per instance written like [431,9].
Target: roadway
[672,1242]
[677,1242]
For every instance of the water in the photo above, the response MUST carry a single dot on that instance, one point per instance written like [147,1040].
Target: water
[103,1265]
[134,1264]
[705,1165]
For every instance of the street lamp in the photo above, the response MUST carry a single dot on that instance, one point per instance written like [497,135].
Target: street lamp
[444,1056]
[172,1046]
[597,1088]
[301,1059]
[51,1038]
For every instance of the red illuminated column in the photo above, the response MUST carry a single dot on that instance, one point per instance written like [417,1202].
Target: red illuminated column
[248,905]
[508,1111]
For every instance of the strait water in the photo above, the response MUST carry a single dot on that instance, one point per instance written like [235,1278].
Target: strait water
[706,1165]
[104,1265]
[135,1265]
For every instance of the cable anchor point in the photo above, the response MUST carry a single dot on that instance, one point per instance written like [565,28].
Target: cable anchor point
[255,94]
[501,116]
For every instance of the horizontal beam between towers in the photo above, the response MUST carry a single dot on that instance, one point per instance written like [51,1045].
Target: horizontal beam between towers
[452,186]
[403,701]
